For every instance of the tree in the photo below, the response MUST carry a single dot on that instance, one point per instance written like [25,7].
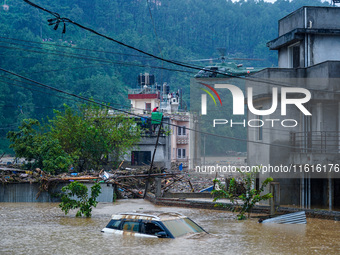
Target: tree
[93,135]
[87,138]
[82,201]
[39,148]
[249,197]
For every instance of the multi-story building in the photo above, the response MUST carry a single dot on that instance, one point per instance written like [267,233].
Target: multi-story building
[308,48]
[177,143]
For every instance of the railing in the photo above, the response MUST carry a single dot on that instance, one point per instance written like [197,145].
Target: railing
[147,90]
[185,159]
[182,139]
[315,142]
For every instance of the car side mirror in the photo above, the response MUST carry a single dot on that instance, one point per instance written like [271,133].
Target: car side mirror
[161,234]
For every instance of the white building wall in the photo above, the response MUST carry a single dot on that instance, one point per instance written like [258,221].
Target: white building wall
[283,58]
[139,105]
[325,48]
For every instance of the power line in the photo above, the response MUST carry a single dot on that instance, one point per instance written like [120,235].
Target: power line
[154,29]
[84,57]
[43,92]
[141,116]
[127,107]
[64,20]
[74,47]
[58,19]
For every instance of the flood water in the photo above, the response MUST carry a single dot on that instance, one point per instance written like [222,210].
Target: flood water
[42,228]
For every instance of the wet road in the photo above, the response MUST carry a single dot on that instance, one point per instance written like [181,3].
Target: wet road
[42,228]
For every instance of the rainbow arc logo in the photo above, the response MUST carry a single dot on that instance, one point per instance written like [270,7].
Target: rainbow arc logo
[209,93]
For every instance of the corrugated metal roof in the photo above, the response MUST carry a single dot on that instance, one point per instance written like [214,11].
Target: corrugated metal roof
[291,218]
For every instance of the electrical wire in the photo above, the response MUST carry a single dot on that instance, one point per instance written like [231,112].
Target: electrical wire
[141,116]
[58,19]
[157,39]
[73,47]
[127,107]
[83,57]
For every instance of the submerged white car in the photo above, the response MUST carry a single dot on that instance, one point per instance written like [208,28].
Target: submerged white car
[155,225]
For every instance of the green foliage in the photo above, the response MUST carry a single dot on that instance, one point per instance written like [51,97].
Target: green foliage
[86,138]
[185,29]
[248,199]
[76,196]
[92,135]
[45,152]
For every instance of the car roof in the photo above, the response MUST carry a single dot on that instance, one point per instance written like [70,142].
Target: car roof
[154,215]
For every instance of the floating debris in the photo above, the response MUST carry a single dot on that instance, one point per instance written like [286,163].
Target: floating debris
[291,218]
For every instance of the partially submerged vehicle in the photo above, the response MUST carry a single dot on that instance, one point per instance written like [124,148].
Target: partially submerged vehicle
[155,225]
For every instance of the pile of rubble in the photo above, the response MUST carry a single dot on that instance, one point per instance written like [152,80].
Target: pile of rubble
[128,182]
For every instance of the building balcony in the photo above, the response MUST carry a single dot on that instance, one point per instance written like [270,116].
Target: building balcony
[182,139]
[185,159]
[316,142]
[147,90]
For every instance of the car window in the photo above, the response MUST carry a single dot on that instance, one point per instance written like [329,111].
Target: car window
[193,225]
[181,227]
[131,226]
[114,224]
[152,228]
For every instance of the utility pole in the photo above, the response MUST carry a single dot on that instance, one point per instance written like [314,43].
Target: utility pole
[153,157]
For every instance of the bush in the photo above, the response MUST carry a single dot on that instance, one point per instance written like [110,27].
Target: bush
[249,197]
[80,191]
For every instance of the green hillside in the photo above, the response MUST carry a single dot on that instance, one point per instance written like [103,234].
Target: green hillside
[85,64]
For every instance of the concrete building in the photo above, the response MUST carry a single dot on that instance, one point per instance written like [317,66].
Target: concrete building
[308,48]
[177,144]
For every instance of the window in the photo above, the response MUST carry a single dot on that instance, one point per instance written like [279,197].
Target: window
[294,56]
[148,107]
[182,226]
[181,153]
[140,157]
[152,228]
[131,226]
[181,130]
[114,224]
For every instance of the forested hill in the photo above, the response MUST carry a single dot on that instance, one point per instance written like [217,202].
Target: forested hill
[86,64]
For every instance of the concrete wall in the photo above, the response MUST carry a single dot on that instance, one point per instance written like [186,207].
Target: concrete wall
[291,21]
[316,44]
[163,154]
[325,117]
[324,47]
[26,192]
[283,57]
[140,104]
[311,17]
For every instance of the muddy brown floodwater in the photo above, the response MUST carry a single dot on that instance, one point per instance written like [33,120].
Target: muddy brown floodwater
[41,228]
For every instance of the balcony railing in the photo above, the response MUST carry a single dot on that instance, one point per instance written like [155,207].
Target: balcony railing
[315,142]
[146,90]
[185,159]
[182,139]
